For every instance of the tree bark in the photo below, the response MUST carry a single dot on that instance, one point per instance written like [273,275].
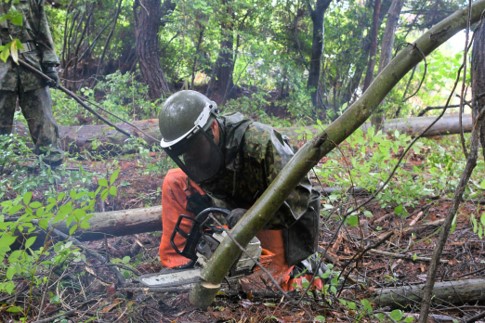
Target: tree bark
[450,292]
[148,16]
[478,77]
[119,223]
[261,212]
[389,36]
[369,75]
[313,83]
[222,84]
[386,48]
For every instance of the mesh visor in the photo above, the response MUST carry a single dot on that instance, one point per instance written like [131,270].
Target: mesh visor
[198,156]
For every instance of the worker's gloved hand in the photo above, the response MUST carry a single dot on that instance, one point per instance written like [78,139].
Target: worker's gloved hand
[51,72]
[235,216]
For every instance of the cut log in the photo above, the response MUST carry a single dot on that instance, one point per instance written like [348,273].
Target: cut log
[119,223]
[447,125]
[449,292]
[103,138]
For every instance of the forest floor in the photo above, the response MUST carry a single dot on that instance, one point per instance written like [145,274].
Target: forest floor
[88,292]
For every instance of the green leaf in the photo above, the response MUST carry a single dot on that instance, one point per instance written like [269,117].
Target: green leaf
[482,219]
[396,315]
[15,17]
[319,318]
[35,205]
[352,220]
[367,305]
[114,176]
[351,305]
[43,223]
[113,191]
[11,271]
[6,241]
[8,287]
[400,210]
[103,182]
[5,53]
[72,229]
[14,309]
[84,224]
[27,197]
[30,241]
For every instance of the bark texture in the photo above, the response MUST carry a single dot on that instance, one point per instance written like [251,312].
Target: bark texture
[148,16]
[317,16]
[478,77]
[451,292]
[387,46]
[119,223]
[222,84]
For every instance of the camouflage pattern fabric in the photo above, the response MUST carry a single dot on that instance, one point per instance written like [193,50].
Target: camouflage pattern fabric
[16,82]
[255,153]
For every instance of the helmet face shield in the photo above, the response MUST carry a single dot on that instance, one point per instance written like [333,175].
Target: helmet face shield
[197,155]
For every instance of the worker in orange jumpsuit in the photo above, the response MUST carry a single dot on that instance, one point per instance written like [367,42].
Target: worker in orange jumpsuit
[229,161]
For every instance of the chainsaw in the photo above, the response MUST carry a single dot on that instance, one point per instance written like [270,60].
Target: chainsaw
[207,230]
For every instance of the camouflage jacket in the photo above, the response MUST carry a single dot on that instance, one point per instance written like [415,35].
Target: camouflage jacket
[38,47]
[254,155]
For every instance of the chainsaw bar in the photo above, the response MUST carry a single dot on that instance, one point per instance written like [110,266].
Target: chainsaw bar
[172,278]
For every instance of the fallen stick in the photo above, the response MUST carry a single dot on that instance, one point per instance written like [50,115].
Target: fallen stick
[402,256]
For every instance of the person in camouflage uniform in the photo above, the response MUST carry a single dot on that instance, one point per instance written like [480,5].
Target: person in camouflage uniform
[18,83]
[229,161]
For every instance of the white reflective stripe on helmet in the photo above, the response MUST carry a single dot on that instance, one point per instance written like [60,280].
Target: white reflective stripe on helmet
[200,123]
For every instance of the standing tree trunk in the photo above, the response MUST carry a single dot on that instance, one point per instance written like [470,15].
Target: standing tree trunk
[148,15]
[347,94]
[478,77]
[317,51]
[386,49]
[221,84]
[390,33]
[369,75]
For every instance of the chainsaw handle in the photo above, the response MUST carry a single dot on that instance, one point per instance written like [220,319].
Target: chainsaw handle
[192,238]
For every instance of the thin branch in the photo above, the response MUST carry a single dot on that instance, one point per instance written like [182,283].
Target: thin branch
[470,166]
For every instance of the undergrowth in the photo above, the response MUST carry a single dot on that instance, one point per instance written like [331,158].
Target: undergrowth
[431,169]
[33,202]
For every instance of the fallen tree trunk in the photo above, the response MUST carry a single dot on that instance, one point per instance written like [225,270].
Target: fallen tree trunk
[450,292]
[103,138]
[119,223]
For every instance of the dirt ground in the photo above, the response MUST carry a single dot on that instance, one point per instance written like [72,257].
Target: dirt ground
[90,293]
[400,260]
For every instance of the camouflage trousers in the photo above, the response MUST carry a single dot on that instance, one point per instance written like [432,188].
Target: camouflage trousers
[36,107]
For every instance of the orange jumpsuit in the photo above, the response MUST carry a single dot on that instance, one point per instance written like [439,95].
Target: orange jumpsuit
[176,188]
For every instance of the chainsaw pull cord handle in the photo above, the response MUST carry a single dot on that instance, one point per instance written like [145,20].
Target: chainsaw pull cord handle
[192,238]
